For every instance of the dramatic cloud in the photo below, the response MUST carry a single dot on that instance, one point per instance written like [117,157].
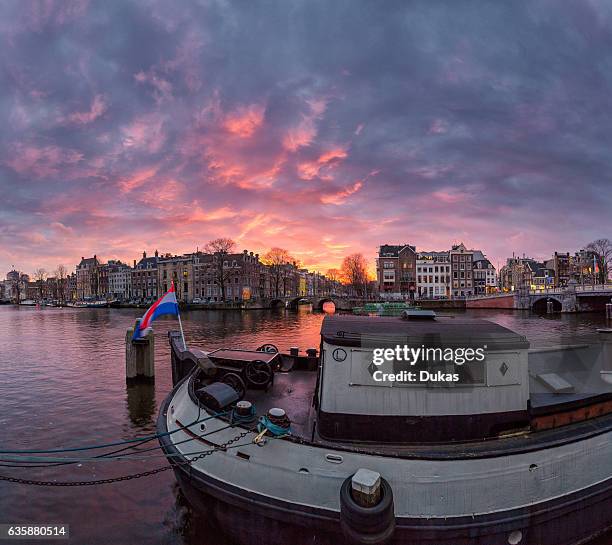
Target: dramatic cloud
[322,127]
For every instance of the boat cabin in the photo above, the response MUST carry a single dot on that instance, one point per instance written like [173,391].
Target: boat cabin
[410,380]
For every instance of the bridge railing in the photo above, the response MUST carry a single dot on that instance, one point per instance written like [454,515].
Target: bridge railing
[581,288]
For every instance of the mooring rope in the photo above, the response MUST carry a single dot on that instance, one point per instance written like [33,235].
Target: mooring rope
[27,460]
[113,444]
[188,461]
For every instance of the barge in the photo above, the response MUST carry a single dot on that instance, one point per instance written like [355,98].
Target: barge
[516,449]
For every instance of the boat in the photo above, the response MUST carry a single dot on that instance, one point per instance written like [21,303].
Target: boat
[383,309]
[90,304]
[516,449]
[28,303]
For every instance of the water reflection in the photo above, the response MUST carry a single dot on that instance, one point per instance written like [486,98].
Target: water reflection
[141,403]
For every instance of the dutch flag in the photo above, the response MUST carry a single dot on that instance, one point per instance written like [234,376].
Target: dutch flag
[165,305]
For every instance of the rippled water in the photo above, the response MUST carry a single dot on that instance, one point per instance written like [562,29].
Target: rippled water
[62,383]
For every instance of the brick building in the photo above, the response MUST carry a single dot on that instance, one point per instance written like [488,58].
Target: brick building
[144,278]
[396,269]
[461,271]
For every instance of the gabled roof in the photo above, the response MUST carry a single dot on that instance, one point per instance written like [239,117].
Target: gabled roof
[89,261]
[147,263]
[393,250]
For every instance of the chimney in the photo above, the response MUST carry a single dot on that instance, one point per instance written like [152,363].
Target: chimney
[156,254]
[144,255]
[134,263]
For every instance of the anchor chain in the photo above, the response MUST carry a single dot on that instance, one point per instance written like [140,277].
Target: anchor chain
[222,446]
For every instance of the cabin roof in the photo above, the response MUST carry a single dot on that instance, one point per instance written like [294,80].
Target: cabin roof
[443,331]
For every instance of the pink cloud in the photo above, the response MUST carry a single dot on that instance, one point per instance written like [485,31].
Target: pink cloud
[40,162]
[162,88]
[305,131]
[97,108]
[438,126]
[144,133]
[309,170]
[245,120]
[340,196]
[137,179]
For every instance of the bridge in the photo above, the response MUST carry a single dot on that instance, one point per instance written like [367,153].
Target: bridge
[317,301]
[572,298]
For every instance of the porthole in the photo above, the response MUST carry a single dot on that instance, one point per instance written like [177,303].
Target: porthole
[339,354]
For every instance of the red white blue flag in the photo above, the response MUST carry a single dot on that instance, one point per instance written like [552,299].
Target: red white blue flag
[165,305]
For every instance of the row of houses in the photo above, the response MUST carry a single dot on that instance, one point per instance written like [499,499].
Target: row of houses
[556,272]
[455,273]
[198,278]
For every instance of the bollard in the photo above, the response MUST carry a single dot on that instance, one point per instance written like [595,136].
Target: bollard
[365,487]
[139,356]
[312,358]
[609,311]
[549,307]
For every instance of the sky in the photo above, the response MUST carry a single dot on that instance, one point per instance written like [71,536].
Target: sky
[322,127]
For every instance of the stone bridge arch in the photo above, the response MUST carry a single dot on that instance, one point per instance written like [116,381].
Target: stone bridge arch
[538,304]
[324,300]
[295,301]
[277,302]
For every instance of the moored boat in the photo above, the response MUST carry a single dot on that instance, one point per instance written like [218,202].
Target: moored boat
[514,448]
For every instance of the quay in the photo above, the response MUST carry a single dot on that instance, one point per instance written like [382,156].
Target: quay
[573,298]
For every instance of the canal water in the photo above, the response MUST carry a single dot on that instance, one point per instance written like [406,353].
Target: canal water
[62,384]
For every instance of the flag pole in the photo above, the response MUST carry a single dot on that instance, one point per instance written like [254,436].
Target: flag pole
[178,315]
[181,327]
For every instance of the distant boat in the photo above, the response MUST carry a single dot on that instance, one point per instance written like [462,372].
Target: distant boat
[96,304]
[90,304]
[28,303]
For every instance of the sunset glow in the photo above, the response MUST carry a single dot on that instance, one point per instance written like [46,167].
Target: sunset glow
[163,126]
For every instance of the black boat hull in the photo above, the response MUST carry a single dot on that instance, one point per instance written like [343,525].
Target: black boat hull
[251,519]
[248,521]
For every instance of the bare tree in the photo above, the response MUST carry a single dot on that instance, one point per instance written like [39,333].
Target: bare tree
[61,276]
[602,248]
[220,248]
[333,275]
[40,275]
[354,272]
[278,259]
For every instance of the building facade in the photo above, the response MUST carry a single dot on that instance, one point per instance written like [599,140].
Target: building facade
[462,280]
[91,279]
[396,269]
[144,279]
[433,273]
[560,263]
[178,269]
[119,281]
[484,274]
